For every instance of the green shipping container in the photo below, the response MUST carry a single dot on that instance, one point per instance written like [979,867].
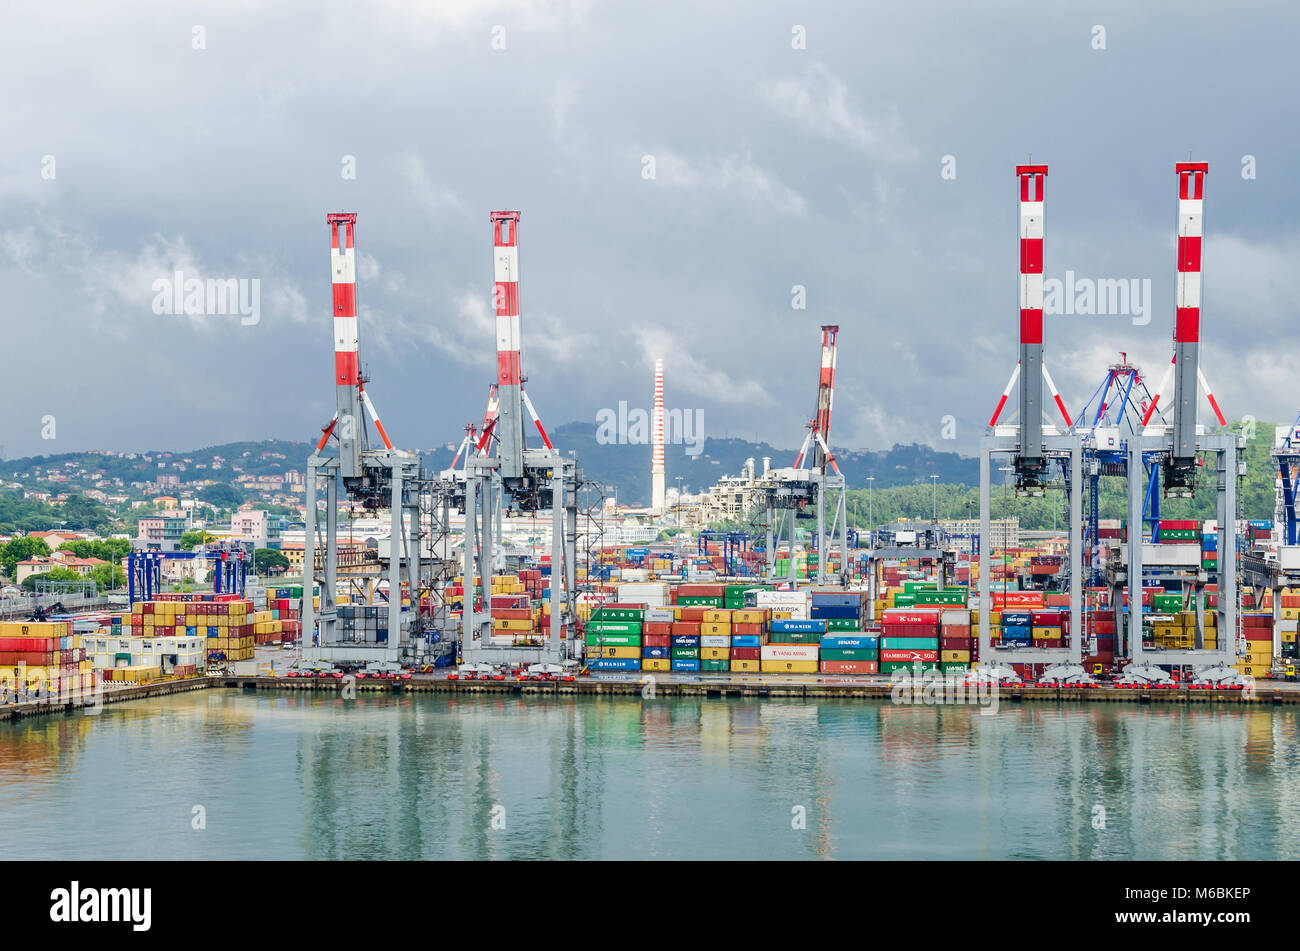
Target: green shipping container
[615,627]
[686,653]
[909,643]
[889,667]
[618,614]
[850,653]
[950,668]
[904,600]
[794,637]
[955,597]
[613,640]
[714,666]
[845,624]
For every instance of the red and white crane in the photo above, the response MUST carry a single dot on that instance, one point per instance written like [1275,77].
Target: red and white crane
[819,428]
[1184,370]
[350,385]
[1031,371]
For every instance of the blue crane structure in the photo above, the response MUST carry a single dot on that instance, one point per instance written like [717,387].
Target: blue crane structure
[230,568]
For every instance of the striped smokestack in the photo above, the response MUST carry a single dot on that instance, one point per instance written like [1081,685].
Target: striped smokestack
[657,466]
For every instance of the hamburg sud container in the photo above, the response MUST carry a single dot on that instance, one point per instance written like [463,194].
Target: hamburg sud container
[613,637]
[909,637]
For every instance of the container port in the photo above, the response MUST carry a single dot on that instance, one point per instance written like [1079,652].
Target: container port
[430,609]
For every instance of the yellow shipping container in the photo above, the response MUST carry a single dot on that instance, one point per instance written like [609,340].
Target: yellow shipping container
[789,666]
[1047,632]
[656,663]
[955,657]
[748,617]
[1288,637]
[617,653]
[715,653]
[511,624]
[745,666]
[717,617]
[716,629]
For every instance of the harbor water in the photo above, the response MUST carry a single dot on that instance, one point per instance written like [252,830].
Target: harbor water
[221,774]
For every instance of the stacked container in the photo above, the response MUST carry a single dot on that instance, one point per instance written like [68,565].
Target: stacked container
[656,639]
[957,648]
[613,637]
[748,628]
[909,636]
[715,641]
[1257,629]
[45,656]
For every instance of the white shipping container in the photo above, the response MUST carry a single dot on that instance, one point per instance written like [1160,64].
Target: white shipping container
[715,640]
[767,599]
[789,652]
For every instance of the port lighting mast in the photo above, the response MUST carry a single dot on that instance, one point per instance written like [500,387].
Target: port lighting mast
[1035,449]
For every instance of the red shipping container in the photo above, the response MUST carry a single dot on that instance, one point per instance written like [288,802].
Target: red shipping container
[922,617]
[28,643]
[512,614]
[657,627]
[955,643]
[1258,633]
[30,658]
[747,629]
[694,613]
[746,653]
[656,640]
[907,656]
[909,630]
[686,628]
[848,667]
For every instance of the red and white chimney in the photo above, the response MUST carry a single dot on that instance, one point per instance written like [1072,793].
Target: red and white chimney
[657,464]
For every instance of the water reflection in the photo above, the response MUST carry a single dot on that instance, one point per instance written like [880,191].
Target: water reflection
[314,776]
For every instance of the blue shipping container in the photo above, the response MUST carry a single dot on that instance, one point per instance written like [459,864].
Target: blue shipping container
[1010,631]
[837,641]
[655,652]
[835,600]
[689,665]
[835,611]
[616,663]
[798,627]
[686,640]
[746,640]
[1014,618]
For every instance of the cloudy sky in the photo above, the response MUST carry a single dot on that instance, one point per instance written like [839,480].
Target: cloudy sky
[212,138]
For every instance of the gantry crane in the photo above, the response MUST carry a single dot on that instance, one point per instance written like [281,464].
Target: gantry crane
[503,473]
[1035,449]
[1171,451]
[788,492]
[374,477]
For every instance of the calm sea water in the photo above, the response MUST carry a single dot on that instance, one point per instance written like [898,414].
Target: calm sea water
[303,776]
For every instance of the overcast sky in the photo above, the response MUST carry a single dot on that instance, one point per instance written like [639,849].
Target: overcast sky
[774,166]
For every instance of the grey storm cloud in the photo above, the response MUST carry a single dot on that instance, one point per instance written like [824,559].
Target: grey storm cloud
[148,138]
